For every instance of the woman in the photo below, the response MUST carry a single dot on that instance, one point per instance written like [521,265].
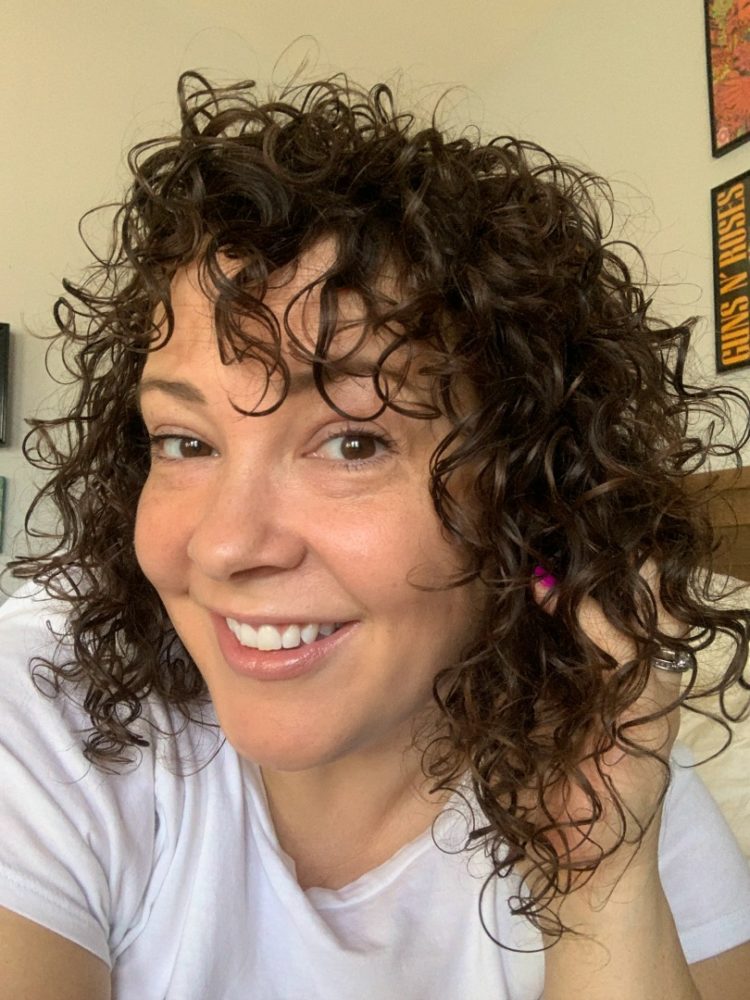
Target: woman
[354,667]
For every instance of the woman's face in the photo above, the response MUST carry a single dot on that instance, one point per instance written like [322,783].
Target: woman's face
[258,531]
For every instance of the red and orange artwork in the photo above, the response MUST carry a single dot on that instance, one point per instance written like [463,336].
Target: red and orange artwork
[728,44]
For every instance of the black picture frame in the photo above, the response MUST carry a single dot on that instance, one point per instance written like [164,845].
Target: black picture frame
[728,73]
[3,490]
[730,207]
[4,368]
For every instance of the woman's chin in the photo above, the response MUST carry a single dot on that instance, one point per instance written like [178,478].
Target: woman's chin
[287,749]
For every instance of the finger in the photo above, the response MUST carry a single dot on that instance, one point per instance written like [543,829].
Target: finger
[663,686]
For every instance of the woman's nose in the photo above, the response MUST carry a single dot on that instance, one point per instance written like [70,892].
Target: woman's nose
[245,527]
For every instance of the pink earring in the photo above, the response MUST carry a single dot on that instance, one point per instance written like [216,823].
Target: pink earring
[546,579]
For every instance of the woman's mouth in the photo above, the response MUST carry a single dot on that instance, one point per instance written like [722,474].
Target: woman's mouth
[271,637]
[280,651]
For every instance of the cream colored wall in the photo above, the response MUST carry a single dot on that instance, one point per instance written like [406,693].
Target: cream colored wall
[618,86]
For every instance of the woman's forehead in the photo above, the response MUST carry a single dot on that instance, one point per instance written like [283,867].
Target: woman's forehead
[301,280]
[293,296]
[367,366]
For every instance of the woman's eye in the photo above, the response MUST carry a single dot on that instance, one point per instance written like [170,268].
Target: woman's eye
[173,446]
[353,447]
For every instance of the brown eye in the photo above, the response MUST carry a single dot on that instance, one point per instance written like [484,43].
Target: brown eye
[175,448]
[358,447]
[354,446]
[192,448]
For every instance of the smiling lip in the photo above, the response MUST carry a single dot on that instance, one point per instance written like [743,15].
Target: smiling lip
[276,664]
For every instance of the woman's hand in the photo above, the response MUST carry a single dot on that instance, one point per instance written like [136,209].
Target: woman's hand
[624,945]
[629,785]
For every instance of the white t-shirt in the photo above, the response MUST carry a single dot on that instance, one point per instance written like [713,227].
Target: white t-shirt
[179,883]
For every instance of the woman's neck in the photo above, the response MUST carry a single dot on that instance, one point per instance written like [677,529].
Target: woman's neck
[345,818]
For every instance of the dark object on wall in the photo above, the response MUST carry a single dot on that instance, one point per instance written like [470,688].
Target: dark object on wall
[4,352]
[730,203]
[728,57]
[2,510]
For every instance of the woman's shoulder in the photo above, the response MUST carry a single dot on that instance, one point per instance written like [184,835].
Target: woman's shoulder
[44,723]
[33,630]
[703,871]
[36,641]
[85,850]
[44,719]
[31,622]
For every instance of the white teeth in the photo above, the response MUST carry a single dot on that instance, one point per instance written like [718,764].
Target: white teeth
[269,637]
[247,635]
[309,633]
[290,637]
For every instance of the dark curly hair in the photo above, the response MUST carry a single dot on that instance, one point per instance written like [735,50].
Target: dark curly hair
[575,435]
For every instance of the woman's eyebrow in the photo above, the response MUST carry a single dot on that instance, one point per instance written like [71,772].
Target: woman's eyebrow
[188,392]
[185,391]
[299,382]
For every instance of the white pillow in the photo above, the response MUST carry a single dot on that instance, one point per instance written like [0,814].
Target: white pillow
[728,775]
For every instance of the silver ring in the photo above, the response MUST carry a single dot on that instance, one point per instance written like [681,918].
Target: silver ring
[676,661]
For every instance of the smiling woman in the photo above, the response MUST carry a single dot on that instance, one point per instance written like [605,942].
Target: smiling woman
[374,589]
[256,530]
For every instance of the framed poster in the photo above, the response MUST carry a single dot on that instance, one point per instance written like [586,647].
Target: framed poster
[4,351]
[728,58]
[729,207]
[2,511]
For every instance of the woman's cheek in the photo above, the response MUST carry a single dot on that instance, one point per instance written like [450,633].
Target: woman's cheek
[160,539]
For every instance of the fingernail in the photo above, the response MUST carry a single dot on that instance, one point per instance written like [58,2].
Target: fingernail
[546,579]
